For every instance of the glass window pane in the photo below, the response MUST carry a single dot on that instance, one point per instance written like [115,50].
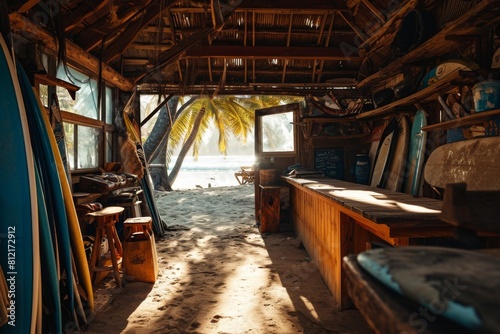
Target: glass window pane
[85,103]
[109,105]
[277,132]
[88,147]
[109,147]
[44,94]
[69,133]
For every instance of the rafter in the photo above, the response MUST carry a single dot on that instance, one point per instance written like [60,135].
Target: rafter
[119,45]
[76,55]
[84,10]
[266,52]
[93,36]
[349,18]
[378,14]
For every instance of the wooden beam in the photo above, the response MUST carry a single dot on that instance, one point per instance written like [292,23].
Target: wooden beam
[148,47]
[388,30]
[349,18]
[76,55]
[264,52]
[102,29]
[145,120]
[27,6]
[172,55]
[338,5]
[374,10]
[84,10]
[120,45]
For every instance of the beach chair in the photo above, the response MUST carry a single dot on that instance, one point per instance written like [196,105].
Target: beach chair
[245,176]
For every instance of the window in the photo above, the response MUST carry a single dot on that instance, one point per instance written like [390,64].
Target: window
[277,132]
[88,139]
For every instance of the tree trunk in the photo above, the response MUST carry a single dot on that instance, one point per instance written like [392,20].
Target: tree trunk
[158,169]
[155,148]
[160,129]
[186,146]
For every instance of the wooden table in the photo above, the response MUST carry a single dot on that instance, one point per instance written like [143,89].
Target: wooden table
[335,218]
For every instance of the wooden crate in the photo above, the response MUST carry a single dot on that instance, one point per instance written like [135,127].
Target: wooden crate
[140,260]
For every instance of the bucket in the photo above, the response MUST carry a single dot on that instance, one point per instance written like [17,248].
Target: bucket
[486,95]
[267,177]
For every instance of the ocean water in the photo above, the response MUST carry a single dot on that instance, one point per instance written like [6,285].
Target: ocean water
[210,171]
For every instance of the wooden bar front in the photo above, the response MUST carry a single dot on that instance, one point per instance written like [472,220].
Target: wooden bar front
[335,218]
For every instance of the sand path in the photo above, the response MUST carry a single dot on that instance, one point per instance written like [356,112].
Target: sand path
[218,274]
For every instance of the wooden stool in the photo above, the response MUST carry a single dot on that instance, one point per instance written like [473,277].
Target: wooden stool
[106,220]
[140,260]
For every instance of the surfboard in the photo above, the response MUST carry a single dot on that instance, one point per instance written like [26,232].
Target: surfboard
[50,278]
[416,154]
[383,155]
[474,161]
[397,165]
[445,69]
[457,284]
[75,233]
[58,128]
[495,61]
[19,243]
[44,155]
[159,226]
[55,173]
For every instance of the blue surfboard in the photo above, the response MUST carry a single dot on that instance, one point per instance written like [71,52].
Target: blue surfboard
[416,153]
[44,156]
[19,223]
[50,279]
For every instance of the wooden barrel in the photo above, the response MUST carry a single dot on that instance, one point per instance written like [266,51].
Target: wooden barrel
[268,177]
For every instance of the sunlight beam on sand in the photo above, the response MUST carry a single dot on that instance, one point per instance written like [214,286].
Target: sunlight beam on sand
[310,307]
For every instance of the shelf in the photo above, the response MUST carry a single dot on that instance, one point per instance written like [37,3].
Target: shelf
[346,137]
[48,80]
[464,121]
[325,119]
[423,96]
[483,16]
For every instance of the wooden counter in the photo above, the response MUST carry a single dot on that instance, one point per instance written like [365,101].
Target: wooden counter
[335,218]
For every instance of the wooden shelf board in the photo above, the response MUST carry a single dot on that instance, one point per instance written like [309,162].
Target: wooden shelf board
[463,121]
[484,15]
[358,135]
[48,80]
[423,96]
[312,119]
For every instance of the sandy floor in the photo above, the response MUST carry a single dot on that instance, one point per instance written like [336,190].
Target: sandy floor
[218,274]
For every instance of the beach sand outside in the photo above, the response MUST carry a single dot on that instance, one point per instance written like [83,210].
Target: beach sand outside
[218,274]
[210,171]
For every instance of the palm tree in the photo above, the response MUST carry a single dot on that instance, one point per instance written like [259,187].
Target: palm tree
[228,114]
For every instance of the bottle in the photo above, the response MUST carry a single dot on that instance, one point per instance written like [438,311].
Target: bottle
[362,169]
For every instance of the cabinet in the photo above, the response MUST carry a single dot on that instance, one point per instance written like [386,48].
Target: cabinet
[482,17]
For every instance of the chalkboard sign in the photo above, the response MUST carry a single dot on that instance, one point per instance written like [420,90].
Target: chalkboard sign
[330,161]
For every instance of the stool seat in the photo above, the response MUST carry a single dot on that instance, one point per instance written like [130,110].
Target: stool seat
[106,220]
[108,211]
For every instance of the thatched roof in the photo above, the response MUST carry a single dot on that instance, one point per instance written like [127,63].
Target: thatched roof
[256,47]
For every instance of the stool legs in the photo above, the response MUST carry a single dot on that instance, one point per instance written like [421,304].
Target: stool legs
[106,227]
[96,251]
[114,247]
